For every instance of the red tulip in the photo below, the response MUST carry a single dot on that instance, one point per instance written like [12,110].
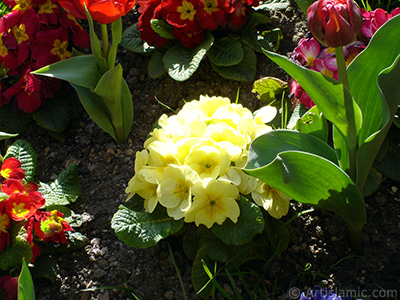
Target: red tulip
[334,22]
[102,11]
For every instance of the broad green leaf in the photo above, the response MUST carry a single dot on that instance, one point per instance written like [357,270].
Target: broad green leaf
[131,40]
[373,181]
[191,242]
[162,28]
[23,151]
[26,290]
[79,70]
[315,181]
[314,123]
[249,224]
[56,113]
[244,71]
[304,5]
[116,32]
[226,52]
[118,101]
[4,135]
[64,190]
[389,163]
[253,20]
[269,88]
[182,62]
[142,229]
[273,5]
[334,101]
[268,146]
[363,73]
[13,121]
[96,108]
[156,67]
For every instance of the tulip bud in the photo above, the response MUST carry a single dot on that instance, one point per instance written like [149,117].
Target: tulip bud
[334,22]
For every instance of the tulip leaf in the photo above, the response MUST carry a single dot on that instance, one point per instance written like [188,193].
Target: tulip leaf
[131,40]
[244,71]
[226,52]
[116,30]
[4,135]
[310,179]
[96,108]
[182,62]
[118,101]
[26,290]
[81,70]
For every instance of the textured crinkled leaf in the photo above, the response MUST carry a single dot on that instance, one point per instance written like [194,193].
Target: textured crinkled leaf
[304,5]
[26,289]
[64,190]
[253,20]
[23,151]
[244,71]
[182,62]
[226,52]
[11,257]
[13,121]
[131,40]
[249,223]
[56,113]
[156,66]
[162,28]
[76,240]
[273,5]
[142,229]
[269,88]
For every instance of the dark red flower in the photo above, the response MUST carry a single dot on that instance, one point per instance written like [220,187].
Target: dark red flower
[50,226]
[10,287]
[375,19]
[211,13]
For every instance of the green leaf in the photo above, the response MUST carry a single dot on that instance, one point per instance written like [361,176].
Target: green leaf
[373,182]
[250,223]
[73,219]
[24,152]
[268,40]
[79,70]
[314,123]
[118,101]
[10,257]
[182,62]
[162,28]
[116,33]
[76,240]
[389,164]
[4,135]
[269,88]
[56,113]
[307,177]
[26,290]
[244,71]
[96,108]
[304,5]
[45,266]
[142,229]
[273,5]
[199,276]
[226,52]
[64,190]
[131,40]
[13,121]
[156,66]
[253,20]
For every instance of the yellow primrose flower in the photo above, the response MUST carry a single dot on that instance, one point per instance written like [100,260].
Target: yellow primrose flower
[265,114]
[175,191]
[210,104]
[271,199]
[145,189]
[208,159]
[214,201]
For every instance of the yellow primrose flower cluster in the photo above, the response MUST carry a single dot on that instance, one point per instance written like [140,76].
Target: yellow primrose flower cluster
[192,163]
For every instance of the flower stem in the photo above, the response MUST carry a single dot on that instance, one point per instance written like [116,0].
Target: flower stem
[104,38]
[341,64]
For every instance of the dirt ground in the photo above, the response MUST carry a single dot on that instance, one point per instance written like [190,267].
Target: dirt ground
[318,251]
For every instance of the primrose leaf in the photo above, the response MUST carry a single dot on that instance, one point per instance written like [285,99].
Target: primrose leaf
[23,151]
[76,240]
[142,229]
[45,266]
[314,122]
[182,62]
[244,71]
[73,219]
[10,257]
[131,40]
[13,121]
[4,135]
[268,40]
[162,28]
[269,88]
[273,5]
[249,223]
[64,190]
[226,52]
[304,5]
[156,67]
